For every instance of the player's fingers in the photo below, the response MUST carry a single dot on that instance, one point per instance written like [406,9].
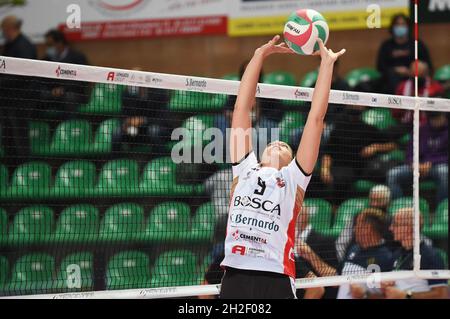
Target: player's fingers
[341,52]
[275,39]
[321,45]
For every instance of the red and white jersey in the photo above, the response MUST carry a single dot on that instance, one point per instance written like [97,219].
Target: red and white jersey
[262,216]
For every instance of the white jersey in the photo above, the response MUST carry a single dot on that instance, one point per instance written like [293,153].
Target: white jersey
[262,216]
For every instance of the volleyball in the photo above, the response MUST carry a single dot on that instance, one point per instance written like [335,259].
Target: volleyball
[302,30]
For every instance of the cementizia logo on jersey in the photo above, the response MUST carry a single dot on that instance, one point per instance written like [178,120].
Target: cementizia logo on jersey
[237,236]
[118,7]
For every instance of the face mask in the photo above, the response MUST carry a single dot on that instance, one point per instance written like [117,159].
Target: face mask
[51,53]
[400,31]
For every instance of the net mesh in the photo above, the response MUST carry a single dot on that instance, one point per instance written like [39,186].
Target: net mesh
[98,191]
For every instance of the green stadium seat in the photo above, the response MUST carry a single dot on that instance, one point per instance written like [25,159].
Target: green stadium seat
[363,185]
[405,139]
[427,185]
[104,135]
[4,273]
[175,268]
[76,273]
[439,227]
[30,180]
[280,78]
[291,121]
[72,137]
[403,202]
[77,224]
[74,179]
[361,75]
[320,215]
[395,155]
[106,99]
[39,137]
[443,73]
[444,255]
[31,225]
[192,101]
[129,269]
[379,117]
[346,212]
[196,125]
[159,178]
[204,223]
[31,274]
[310,78]
[122,222]
[4,179]
[3,226]
[168,221]
[118,178]
[231,77]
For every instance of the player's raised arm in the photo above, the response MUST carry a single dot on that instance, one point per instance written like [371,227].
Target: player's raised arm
[310,142]
[241,137]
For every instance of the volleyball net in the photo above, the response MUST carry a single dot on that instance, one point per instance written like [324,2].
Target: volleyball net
[116,183]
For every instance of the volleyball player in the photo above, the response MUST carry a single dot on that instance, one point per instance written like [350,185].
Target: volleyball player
[266,197]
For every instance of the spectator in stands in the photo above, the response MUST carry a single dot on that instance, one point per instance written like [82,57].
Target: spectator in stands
[433,157]
[403,230]
[16,95]
[396,54]
[368,253]
[348,156]
[379,198]
[427,88]
[144,121]
[61,98]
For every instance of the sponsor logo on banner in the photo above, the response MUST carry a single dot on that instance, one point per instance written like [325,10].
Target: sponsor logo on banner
[301,94]
[65,73]
[117,76]
[374,99]
[2,65]
[197,85]
[118,7]
[350,97]
[430,102]
[393,100]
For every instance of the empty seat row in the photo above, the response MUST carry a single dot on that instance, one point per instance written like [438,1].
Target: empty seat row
[35,273]
[77,179]
[168,222]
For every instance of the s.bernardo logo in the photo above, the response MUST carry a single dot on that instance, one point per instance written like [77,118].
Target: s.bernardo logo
[118,7]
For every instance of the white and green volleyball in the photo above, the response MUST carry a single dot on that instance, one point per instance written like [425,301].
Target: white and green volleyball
[302,30]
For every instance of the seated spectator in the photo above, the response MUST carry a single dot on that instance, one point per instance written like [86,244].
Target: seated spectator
[427,87]
[349,156]
[396,54]
[369,252]
[379,198]
[144,122]
[61,98]
[403,230]
[433,157]
[14,112]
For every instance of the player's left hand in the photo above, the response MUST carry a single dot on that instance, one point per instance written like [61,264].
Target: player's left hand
[272,47]
[327,55]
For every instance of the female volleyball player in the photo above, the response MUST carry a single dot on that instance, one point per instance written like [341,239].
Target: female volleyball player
[267,196]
